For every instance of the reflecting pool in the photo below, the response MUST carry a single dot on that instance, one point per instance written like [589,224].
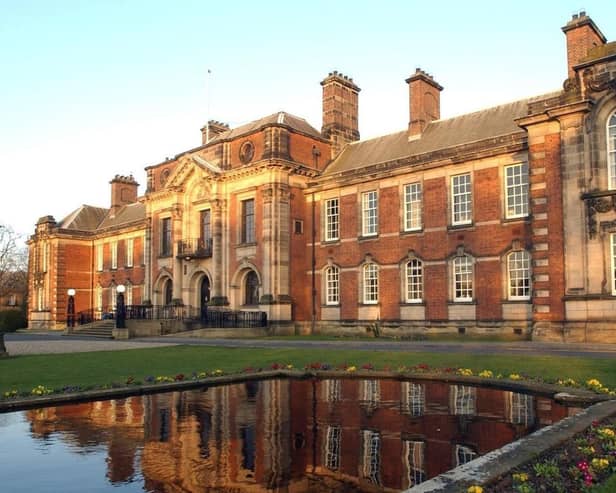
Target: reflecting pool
[299,435]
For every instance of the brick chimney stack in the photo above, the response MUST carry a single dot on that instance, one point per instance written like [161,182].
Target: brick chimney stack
[424,102]
[582,35]
[123,192]
[214,129]
[340,111]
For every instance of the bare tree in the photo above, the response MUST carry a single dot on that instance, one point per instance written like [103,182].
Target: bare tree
[13,268]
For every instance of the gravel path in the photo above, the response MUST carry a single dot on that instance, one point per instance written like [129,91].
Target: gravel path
[71,346]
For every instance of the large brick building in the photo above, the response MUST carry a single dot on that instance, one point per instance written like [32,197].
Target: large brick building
[499,220]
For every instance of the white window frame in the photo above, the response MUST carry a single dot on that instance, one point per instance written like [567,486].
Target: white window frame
[332,285]
[610,134]
[461,199]
[463,270]
[332,447]
[371,392]
[465,453]
[521,409]
[516,190]
[370,284]
[99,298]
[414,458]
[413,398]
[413,281]
[518,271]
[99,257]
[413,207]
[114,254]
[130,247]
[332,390]
[113,292]
[369,213]
[129,294]
[463,400]
[371,456]
[332,219]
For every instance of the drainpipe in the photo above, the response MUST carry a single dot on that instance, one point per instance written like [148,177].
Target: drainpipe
[314,262]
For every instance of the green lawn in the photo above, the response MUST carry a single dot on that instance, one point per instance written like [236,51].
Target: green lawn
[22,373]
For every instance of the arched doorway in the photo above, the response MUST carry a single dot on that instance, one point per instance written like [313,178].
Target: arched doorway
[204,296]
[251,288]
[168,292]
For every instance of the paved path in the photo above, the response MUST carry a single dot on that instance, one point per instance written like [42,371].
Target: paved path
[53,342]
[17,344]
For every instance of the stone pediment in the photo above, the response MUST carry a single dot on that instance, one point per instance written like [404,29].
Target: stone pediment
[190,166]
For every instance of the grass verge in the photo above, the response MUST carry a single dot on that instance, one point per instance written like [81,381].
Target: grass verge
[55,371]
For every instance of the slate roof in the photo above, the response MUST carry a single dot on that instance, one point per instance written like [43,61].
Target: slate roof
[125,215]
[280,118]
[92,219]
[440,134]
[84,218]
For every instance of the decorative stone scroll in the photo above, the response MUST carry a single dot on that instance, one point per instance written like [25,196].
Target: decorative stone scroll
[598,83]
[595,204]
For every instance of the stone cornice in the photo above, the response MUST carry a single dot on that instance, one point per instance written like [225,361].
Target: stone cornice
[555,112]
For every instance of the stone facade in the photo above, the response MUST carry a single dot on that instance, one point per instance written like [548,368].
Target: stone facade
[503,220]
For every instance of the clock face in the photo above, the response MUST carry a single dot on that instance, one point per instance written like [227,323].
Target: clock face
[247,152]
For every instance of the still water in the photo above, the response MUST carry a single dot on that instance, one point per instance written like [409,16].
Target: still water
[336,435]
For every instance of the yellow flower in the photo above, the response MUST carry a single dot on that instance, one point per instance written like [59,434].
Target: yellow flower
[289,367]
[218,372]
[351,369]
[600,464]
[606,433]
[486,374]
[515,376]
[521,477]
[465,372]
[593,382]
[474,489]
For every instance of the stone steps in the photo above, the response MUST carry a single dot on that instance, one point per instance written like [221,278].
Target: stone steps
[100,329]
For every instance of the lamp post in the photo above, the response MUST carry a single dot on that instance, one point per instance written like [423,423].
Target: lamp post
[70,309]
[120,308]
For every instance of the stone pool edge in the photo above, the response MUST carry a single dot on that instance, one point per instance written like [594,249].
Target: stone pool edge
[570,396]
[491,466]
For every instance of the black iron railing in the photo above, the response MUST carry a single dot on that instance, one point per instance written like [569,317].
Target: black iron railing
[213,317]
[195,248]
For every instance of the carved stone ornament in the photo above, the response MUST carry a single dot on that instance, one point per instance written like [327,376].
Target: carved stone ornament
[596,205]
[247,152]
[598,83]
[571,85]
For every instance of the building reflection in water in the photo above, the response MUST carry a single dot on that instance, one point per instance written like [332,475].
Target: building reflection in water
[296,435]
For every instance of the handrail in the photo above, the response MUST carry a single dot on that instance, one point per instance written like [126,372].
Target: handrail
[213,317]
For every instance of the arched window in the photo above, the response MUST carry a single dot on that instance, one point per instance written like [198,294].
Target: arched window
[251,289]
[168,292]
[332,285]
[414,281]
[611,151]
[518,274]
[463,279]
[371,284]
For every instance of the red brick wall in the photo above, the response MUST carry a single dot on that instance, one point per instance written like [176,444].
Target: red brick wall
[488,239]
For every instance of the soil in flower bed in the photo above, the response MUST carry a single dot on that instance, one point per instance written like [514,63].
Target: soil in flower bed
[577,465]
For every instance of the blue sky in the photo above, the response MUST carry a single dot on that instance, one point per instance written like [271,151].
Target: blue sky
[90,89]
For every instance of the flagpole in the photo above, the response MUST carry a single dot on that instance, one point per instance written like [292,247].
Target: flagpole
[208,84]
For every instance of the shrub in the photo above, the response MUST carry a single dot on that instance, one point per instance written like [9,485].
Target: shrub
[11,320]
